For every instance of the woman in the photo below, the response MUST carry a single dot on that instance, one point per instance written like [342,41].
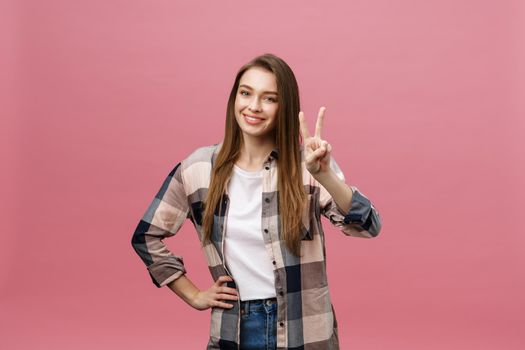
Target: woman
[255,200]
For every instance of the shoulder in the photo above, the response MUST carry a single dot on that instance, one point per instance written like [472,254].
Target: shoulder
[201,154]
[195,169]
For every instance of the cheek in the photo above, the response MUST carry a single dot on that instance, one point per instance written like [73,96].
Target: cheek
[274,119]
[239,101]
[237,109]
[274,112]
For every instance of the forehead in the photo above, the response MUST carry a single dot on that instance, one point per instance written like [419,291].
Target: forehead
[259,79]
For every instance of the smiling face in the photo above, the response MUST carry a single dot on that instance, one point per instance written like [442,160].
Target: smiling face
[256,103]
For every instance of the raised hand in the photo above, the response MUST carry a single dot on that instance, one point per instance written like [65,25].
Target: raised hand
[316,150]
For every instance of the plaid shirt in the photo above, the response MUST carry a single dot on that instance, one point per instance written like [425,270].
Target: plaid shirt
[305,316]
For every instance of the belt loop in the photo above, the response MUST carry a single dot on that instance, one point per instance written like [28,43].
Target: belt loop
[245,307]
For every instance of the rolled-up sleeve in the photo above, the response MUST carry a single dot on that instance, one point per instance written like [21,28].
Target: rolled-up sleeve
[362,220]
[163,218]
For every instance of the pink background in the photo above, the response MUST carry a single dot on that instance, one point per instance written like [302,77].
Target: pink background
[425,107]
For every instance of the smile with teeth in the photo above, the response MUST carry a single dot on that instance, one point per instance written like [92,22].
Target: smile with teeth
[252,120]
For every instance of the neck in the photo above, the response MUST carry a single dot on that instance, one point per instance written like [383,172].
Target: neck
[254,152]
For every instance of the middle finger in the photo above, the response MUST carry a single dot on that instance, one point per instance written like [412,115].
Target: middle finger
[319,124]
[228,290]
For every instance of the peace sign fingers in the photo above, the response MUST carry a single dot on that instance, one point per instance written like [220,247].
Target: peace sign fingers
[316,150]
[318,126]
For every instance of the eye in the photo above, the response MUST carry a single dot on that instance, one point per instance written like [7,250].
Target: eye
[242,92]
[272,99]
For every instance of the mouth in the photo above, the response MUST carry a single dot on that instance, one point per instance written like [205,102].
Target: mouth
[251,119]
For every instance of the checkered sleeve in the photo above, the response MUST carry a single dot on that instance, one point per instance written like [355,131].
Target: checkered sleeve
[362,220]
[163,218]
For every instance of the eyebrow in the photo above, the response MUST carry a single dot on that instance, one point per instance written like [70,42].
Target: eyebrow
[264,92]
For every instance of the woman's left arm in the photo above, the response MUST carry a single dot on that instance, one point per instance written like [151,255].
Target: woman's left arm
[337,188]
[346,207]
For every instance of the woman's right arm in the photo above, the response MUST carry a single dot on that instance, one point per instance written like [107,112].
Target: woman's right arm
[164,217]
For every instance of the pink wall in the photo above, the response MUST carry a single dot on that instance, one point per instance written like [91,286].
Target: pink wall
[424,112]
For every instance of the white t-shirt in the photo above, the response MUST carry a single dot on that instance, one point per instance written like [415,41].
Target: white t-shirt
[244,250]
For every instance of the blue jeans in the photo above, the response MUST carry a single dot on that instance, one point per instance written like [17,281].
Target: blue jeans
[258,324]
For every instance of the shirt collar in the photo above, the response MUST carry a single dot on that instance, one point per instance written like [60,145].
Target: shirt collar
[275,153]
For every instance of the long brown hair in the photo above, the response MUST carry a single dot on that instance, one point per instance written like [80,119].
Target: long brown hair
[292,197]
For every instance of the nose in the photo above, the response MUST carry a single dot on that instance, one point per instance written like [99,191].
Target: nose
[254,105]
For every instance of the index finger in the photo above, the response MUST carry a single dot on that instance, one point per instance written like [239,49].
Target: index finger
[223,279]
[304,129]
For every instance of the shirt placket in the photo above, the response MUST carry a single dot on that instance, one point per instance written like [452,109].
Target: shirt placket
[226,202]
[271,239]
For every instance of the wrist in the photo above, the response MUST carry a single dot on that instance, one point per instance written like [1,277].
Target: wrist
[185,289]
[324,177]
[193,297]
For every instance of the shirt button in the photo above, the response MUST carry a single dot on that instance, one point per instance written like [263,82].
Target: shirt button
[281,324]
[267,167]
[267,200]
[273,262]
[265,230]
[281,293]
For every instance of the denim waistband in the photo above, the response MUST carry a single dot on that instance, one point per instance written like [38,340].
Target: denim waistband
[260,301]
[246,305]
